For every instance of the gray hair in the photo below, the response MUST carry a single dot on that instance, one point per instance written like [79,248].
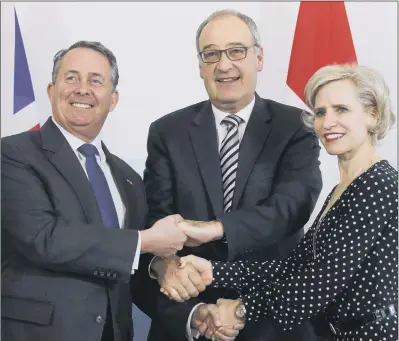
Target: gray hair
[93,45]
[372,90]
[230,12]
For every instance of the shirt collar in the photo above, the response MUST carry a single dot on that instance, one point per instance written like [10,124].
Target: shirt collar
[244,113]
[76,142]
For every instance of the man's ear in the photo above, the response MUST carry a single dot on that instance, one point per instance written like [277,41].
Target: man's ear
[115,100]
[50,89]
[260,59]
[201,70]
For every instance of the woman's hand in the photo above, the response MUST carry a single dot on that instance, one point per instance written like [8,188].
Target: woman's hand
[203,266]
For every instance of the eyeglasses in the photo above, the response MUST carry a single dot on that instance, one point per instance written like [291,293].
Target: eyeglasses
[233,53]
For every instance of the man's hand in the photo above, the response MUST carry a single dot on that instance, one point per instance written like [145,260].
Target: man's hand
[206,318]
[200,232]
[164,238]
[178,283]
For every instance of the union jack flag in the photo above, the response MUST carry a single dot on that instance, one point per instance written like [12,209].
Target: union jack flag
[24,111]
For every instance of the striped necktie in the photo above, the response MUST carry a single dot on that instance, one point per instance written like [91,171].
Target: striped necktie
[229,158]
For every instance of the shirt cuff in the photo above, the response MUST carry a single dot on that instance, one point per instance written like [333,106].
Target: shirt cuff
[136,259]
[192,333]
[150,272]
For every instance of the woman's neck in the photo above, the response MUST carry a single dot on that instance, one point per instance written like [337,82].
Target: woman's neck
[352,164]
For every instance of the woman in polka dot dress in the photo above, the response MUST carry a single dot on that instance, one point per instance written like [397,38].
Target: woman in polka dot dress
[344,270]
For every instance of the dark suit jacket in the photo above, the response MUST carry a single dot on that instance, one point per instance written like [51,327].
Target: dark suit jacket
[277,185]
[60,265]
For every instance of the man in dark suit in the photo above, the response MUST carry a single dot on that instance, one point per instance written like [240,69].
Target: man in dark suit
[242,168]
[71,215]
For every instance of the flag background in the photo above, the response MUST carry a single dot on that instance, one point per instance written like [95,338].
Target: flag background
[154,44]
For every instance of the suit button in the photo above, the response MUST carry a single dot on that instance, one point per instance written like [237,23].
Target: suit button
[99,319]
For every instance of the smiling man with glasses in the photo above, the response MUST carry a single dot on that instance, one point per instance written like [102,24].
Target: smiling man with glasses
[230,56]
[241,169]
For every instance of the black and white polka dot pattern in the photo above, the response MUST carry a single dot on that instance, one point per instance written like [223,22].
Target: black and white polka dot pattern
[346,265]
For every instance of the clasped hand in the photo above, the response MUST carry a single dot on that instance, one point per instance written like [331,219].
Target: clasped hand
[170,234]
[186,277]
[183,280]
[201,232]
[217,321]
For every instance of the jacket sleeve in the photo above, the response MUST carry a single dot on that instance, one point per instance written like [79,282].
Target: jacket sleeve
[282,214]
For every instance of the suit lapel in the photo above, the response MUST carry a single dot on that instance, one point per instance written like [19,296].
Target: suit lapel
[64,159]
[204,140]
[255,135]
[122,183]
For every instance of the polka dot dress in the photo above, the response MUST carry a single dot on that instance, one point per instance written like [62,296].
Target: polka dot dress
[346,264]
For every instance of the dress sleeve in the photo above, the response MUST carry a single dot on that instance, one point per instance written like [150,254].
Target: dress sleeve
[235,274]
[268,290]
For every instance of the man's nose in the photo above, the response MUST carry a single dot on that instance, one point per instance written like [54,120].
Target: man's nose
[224,64]
[83,89]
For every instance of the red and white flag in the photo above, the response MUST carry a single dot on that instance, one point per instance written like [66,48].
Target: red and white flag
[322,36]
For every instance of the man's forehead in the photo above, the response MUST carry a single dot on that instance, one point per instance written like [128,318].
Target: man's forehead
[228,45]
[73,60]
[78,72]
[225,32]
[77,54]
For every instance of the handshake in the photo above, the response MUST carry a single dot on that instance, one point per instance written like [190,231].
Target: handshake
[186,277]
[183,278]
[170,234]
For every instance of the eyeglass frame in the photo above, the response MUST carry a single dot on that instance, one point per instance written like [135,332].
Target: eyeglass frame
[225,51]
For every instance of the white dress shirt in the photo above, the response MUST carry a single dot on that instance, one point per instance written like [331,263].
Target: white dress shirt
[75,143]
[245,114]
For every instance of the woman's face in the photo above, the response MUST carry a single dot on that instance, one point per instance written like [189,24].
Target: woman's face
[341,122]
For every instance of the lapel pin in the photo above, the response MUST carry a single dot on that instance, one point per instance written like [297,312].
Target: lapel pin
[131,183]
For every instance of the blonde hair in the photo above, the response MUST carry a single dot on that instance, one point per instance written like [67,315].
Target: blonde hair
[373,93]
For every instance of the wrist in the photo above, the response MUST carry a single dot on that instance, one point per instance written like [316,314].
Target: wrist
[195,319]
[240,311]
[155,265]
[158,264]
[219,229]
[145,241]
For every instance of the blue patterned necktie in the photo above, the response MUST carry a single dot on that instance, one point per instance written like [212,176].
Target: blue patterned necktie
[100,186]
